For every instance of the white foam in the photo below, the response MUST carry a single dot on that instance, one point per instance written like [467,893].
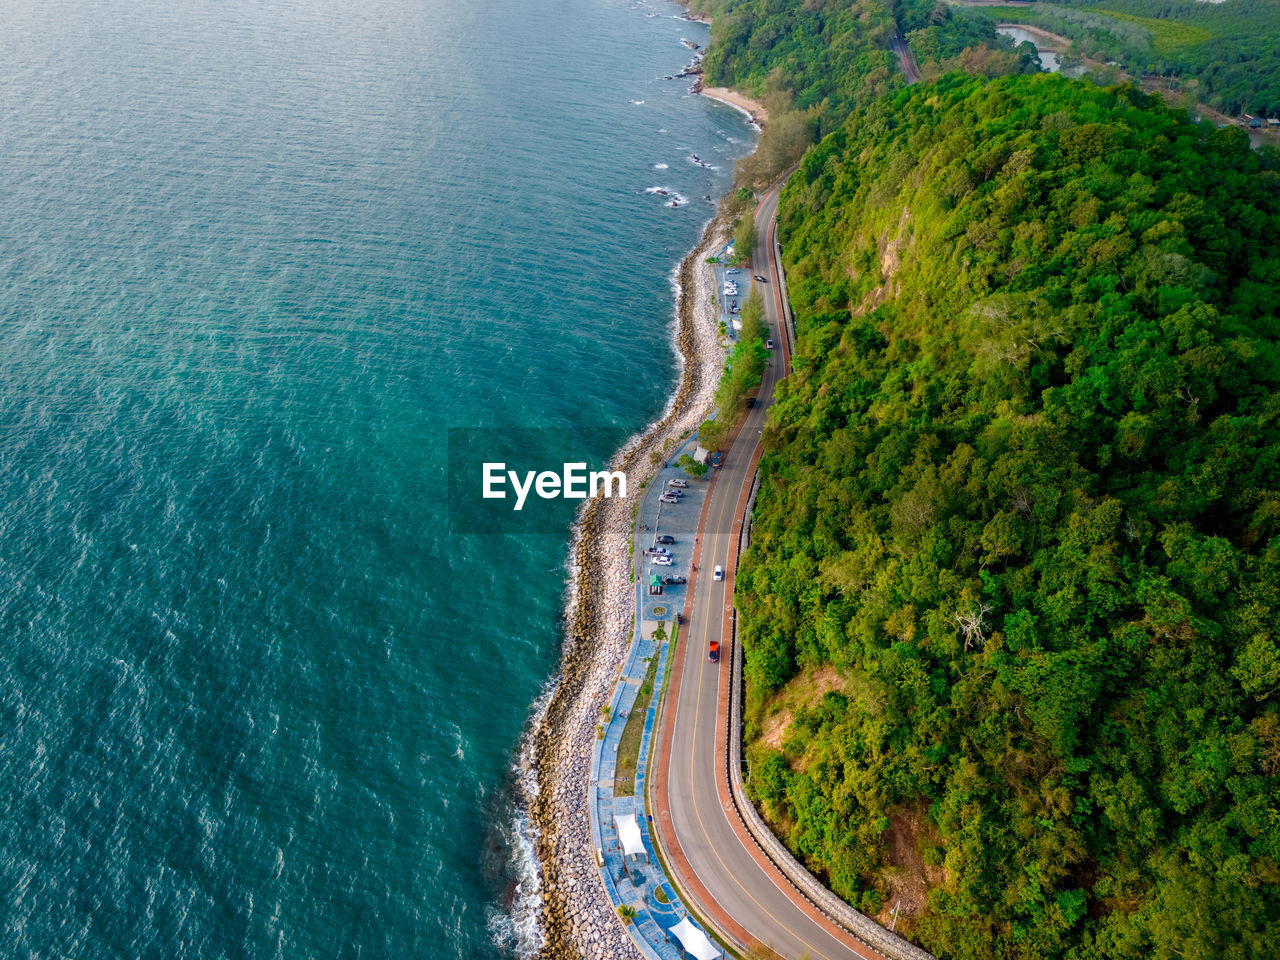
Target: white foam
[660,166]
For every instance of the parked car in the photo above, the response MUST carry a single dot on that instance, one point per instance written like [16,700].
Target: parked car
[664,538]
[661,561]
[760,278]
[667,498]
[679,483]
[751,401]
[713,651]
[672,581]
[658,552]
[718,574]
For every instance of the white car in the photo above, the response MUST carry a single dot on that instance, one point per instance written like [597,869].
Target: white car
[661,561]
[667,498]
[768,344]
[679,483]
[718,574]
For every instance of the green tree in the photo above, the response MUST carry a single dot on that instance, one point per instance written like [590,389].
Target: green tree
[691,466]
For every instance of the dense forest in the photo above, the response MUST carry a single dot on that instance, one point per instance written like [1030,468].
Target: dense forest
[1012,605]
[829,55]
[813,62]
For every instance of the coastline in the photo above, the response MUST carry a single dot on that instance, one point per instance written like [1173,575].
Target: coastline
[573,912]
[752,108]
[568,912]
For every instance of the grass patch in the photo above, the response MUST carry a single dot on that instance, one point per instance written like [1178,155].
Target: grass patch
[1167,36]
[624,775]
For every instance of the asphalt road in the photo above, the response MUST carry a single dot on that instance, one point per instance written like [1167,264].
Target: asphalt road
[755,897]
[905,57]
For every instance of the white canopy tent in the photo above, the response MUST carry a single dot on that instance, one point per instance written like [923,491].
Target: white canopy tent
[629,834]
[694,941]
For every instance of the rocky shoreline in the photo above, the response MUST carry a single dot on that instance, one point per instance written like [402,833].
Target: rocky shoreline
[575,915]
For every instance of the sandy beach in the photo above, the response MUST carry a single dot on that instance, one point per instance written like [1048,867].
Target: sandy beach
[753,108]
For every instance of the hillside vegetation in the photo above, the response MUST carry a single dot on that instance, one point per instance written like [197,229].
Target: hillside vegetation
[1226,55]
[1019,519]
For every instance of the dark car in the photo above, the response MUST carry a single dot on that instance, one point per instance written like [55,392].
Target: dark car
[665,538]
[751,401]
[669,581]
[713,651]
[760,278]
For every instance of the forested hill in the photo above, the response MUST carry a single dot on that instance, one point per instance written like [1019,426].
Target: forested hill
[827,54]
[1012,605]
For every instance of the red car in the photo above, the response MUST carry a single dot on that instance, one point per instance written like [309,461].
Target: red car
[713,652]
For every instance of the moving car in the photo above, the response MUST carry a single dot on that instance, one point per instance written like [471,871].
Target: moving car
[758,277]
[713,651]
[661,561]
[751,401]
[664,538]
[769,344]
[672,581]
[718,574]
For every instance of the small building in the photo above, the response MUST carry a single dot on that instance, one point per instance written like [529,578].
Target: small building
[655,585]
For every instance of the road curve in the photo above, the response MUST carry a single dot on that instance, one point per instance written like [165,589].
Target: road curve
[714,860]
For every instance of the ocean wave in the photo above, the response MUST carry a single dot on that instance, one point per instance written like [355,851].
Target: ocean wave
[519,927]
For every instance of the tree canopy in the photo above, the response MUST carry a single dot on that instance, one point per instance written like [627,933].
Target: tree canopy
[1020,500]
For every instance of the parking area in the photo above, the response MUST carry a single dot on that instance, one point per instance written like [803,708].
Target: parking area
[733,286]
[666,525]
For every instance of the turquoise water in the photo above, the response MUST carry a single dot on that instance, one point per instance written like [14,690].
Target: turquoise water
[255,259]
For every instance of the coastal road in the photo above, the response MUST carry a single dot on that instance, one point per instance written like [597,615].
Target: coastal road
[714,859]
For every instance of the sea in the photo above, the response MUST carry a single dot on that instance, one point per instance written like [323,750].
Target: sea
[258,259]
